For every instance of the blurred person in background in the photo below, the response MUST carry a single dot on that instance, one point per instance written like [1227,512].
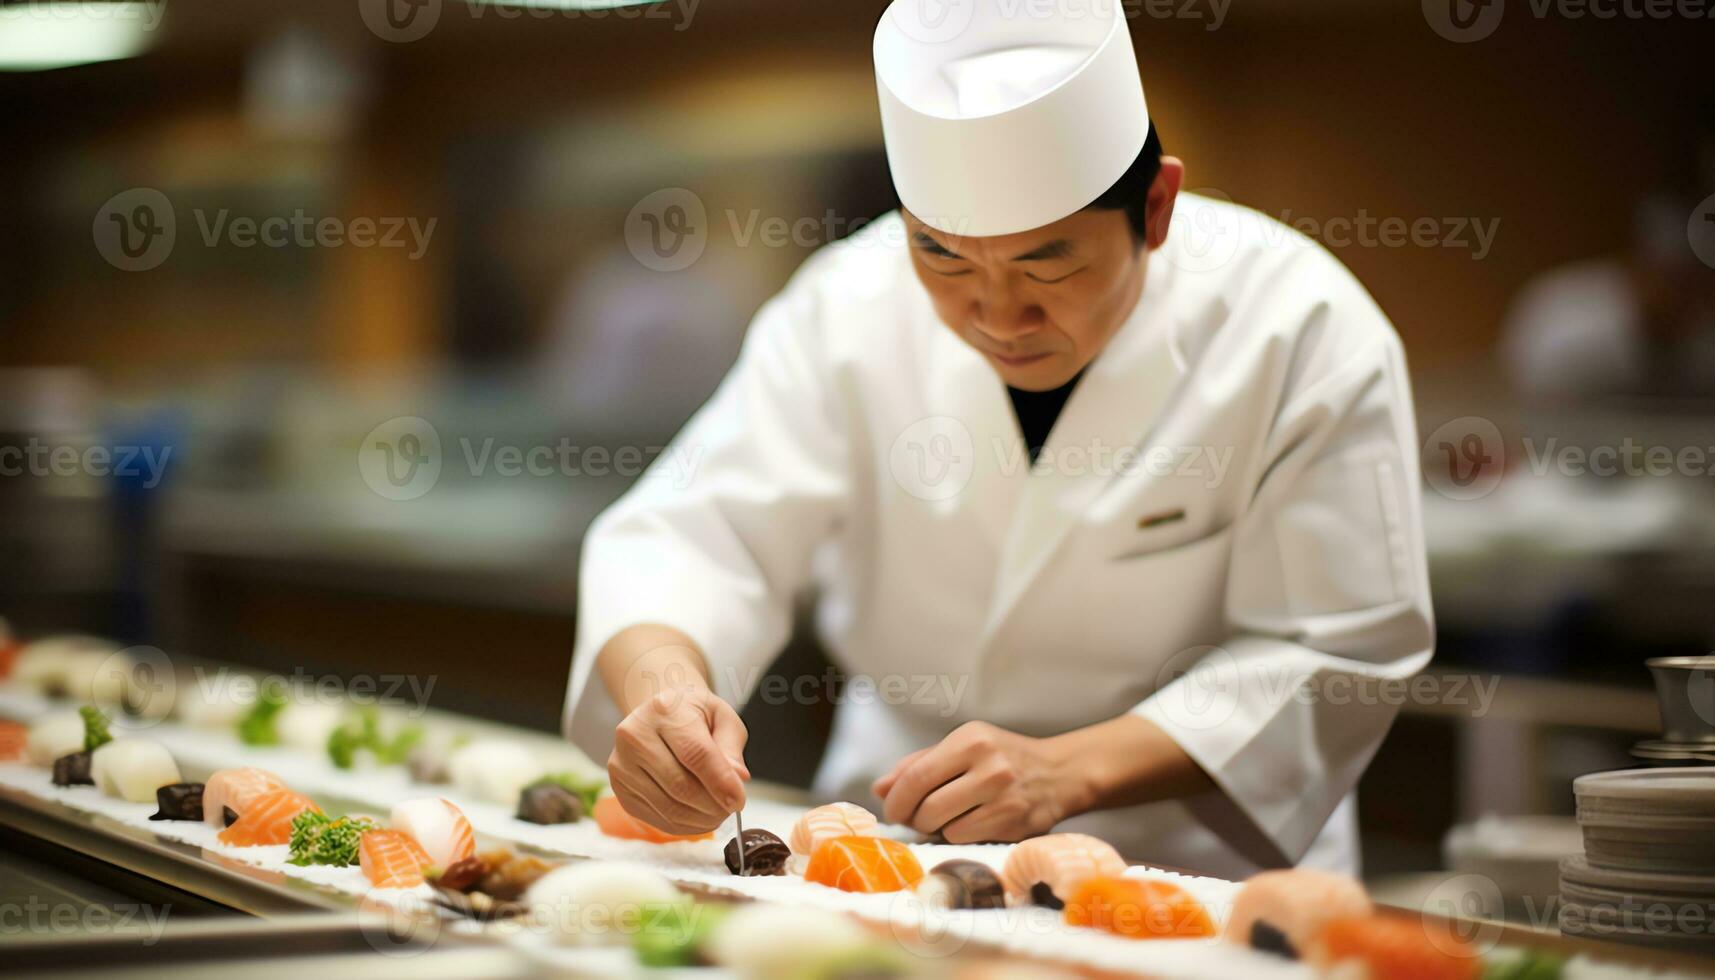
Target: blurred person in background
[1095,642]
[1637,324]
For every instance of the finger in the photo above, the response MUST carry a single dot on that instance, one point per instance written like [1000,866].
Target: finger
[946,804]
[675,815]
[885,783]
[637,798]
[935,769]
[987,823]
[730,735]
[677,793]
[693,748]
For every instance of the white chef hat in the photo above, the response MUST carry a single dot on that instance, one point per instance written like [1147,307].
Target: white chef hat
[1006,115]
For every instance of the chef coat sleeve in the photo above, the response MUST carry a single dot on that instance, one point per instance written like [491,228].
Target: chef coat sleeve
[716,537]
[1327,603]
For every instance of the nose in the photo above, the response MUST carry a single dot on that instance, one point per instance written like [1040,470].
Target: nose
[1005,317]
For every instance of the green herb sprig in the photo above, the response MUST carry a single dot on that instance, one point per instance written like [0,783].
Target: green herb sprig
[95,733]
[320,839]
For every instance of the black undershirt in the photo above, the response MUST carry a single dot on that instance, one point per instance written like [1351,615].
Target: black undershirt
[1037,412]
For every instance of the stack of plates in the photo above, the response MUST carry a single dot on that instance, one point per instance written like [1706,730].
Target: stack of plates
[1648,871]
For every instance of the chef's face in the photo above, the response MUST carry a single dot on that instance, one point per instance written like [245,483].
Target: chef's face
[1038,305]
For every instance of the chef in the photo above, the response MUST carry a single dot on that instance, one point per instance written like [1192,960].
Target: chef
[1113,518]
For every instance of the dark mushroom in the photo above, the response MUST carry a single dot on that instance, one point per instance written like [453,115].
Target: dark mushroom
[178,801]
[73,770]
[764,854]
[547,802]
[960,884]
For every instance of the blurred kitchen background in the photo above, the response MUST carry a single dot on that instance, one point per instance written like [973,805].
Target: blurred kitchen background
[1566,166]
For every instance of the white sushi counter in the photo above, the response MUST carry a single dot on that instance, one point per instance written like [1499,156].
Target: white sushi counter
[329,921]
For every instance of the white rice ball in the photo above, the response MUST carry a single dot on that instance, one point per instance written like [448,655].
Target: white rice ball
[60,733]
[133,769]
[306,725]
[783,940]
[600,903]
[494,770]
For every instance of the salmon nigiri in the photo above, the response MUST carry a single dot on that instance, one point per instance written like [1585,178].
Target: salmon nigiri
[268,819]
[234,789]
[615,822]
[1281,911]
[1047,870]
[864,864]
[1391,949]
[830,821]
[12,738]
[1139,908]
[438,827]
[391,859]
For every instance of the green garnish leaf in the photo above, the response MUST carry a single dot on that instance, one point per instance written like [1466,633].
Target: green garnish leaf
[320,839]
[362,730]
[586,788]
[95,733]
[258,726]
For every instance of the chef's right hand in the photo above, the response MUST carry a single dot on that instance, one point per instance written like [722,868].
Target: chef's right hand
[678,760]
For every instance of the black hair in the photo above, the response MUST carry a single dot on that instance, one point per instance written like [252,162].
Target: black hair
[1130,193]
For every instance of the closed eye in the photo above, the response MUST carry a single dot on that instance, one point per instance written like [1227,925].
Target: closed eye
[1049,282]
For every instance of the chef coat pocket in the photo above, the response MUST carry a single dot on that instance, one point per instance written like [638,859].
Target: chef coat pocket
[1342,536]
[1161,600]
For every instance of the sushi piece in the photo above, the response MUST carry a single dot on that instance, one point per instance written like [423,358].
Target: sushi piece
[391,859]
[179,801]
[1281,911]
[73,770]
[332,841]
[678,937]
[1047,870]
[600,902]
[547,802]
[961,884]
[611,817]
[1139,909]
[864,864]
[827,822]
[267,820]
[13,738]
[493,770]
[55,735]
[229,792]
[766,940]
[79,667]
[1378,948]
[307,725]
[765,855]
[133,769]
[488,886]
[213,706]
[438,826]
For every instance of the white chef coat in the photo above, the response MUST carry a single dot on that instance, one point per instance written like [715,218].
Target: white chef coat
[1051,599]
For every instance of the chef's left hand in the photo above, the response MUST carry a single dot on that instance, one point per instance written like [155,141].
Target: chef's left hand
[981,783]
